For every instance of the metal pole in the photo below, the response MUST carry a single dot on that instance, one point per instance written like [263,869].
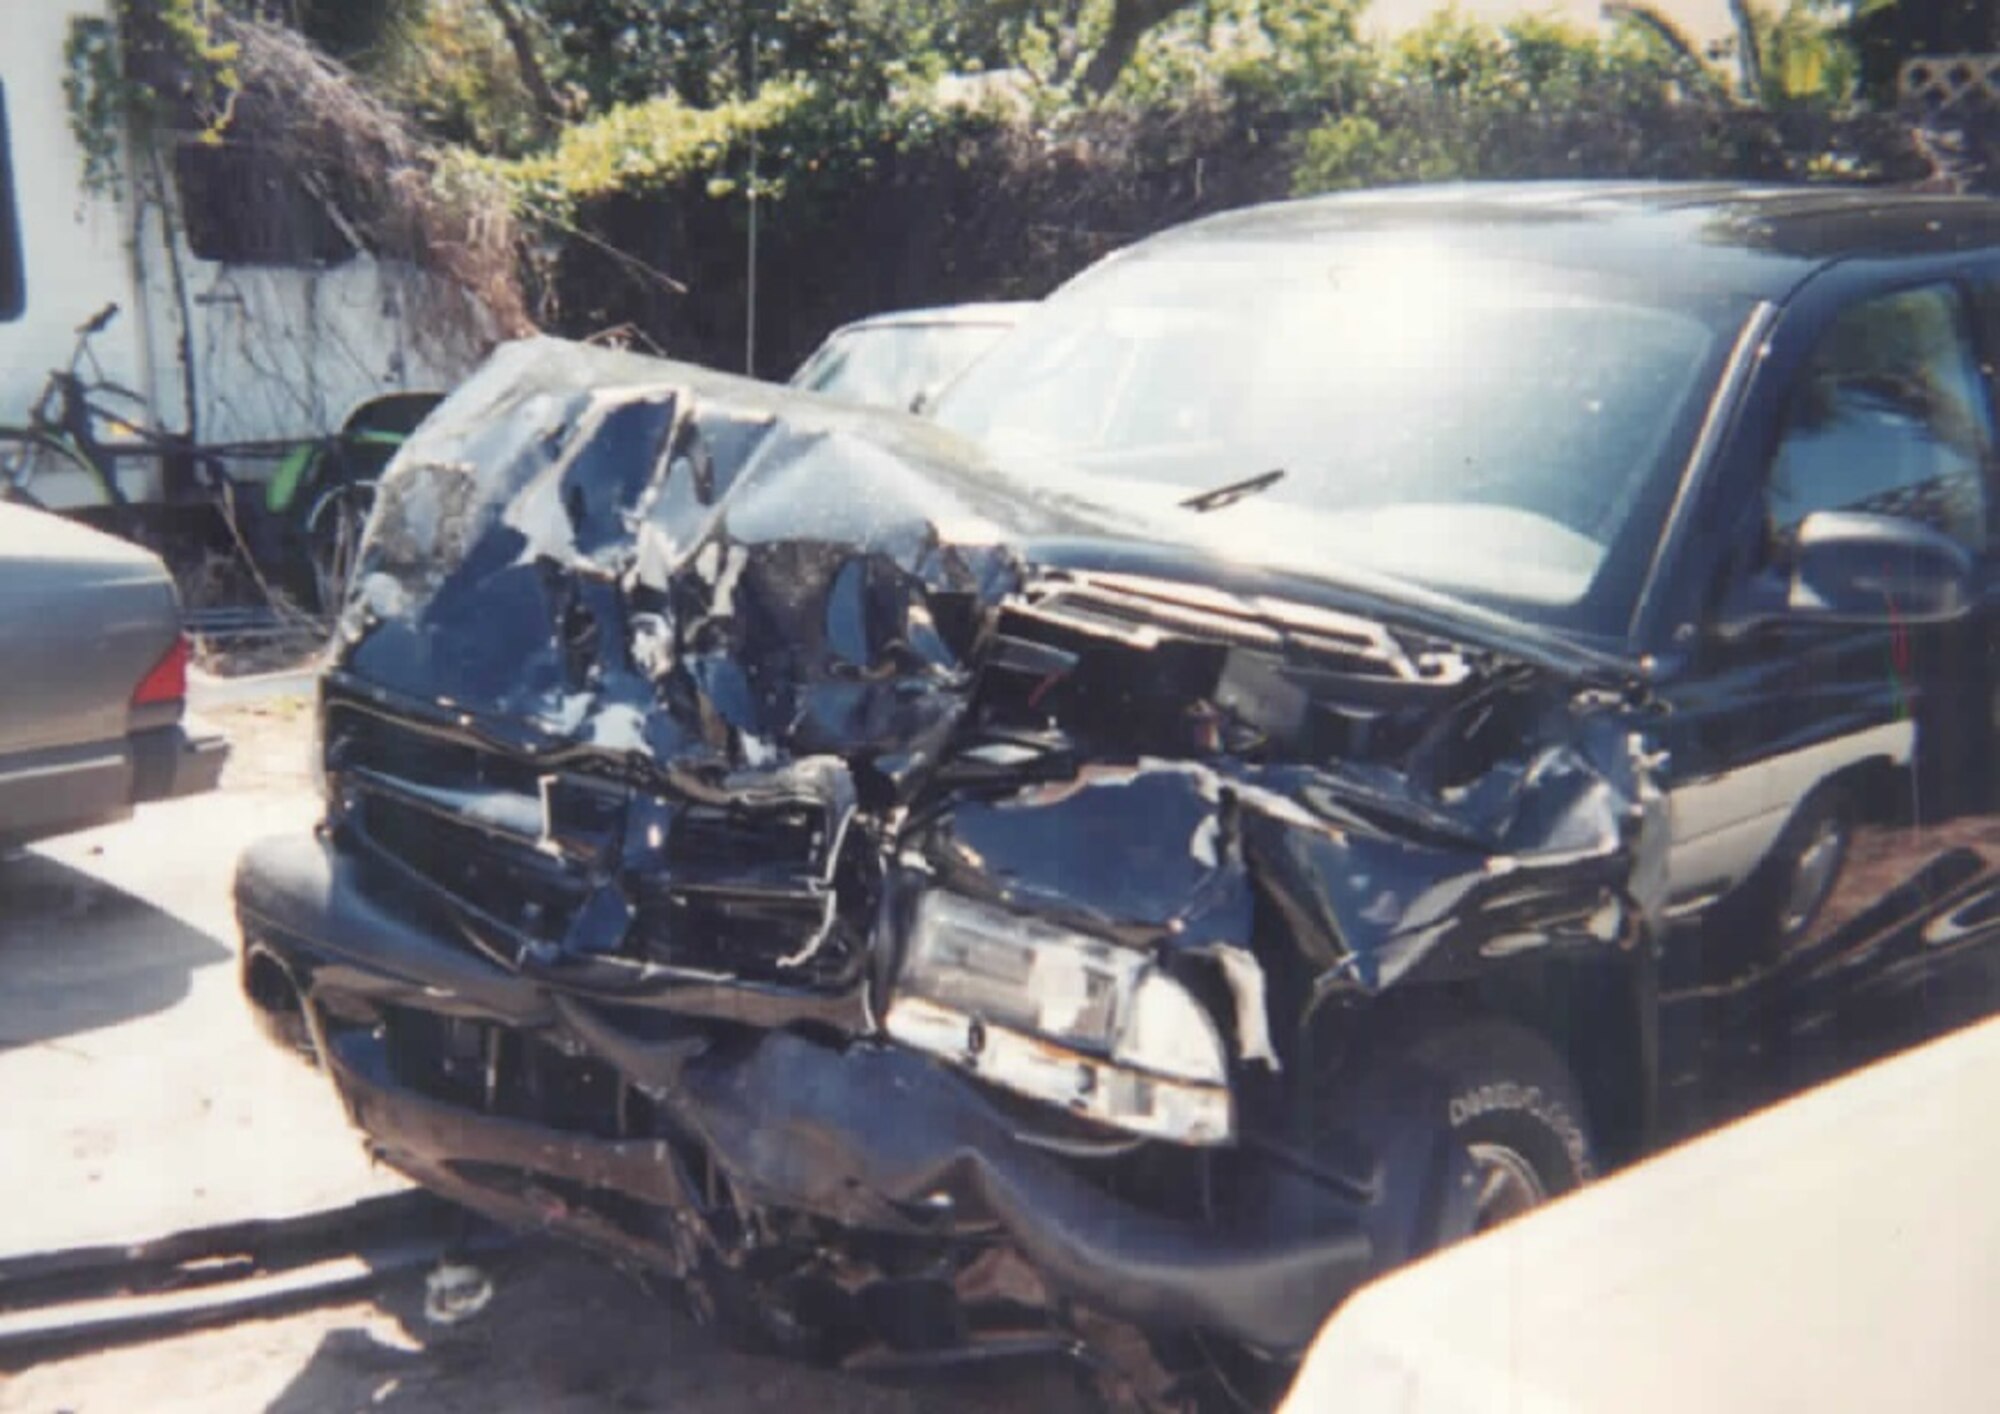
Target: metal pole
[750,312]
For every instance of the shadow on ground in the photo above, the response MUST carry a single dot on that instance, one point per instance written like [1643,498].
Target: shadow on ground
[571,1335]
[77,954]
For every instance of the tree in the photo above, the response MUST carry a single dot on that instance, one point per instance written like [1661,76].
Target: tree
[1667,37]
[548,108]
[1804,54]
[704,51]
[1130,22]
[1786,51]
[352,31]
[1749,46]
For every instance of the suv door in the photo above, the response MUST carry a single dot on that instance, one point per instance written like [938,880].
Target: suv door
[1834,782]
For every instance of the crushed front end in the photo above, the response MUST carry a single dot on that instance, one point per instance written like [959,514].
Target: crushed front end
[767,846]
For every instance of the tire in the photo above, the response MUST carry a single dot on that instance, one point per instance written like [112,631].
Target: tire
[1807,861]
[1775,909]
[334,528]
[1433,1103]
[1472,1120]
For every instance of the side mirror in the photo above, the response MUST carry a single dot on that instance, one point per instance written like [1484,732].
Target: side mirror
[1854,567]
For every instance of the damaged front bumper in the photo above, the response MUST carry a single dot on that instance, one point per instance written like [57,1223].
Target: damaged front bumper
[769,1168]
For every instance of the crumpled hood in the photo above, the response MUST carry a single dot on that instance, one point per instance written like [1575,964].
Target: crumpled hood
[579,536]
[747,587]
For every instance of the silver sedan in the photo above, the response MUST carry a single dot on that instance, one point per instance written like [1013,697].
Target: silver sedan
[93,709]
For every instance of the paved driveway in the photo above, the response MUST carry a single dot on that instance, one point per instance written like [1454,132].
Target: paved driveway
[139,1100]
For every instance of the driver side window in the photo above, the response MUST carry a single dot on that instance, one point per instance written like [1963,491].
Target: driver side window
[1889,417]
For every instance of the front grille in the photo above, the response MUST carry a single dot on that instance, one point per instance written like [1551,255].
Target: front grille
[751,890]
[508,882]
[475,1065]
[721,932]
[361,737]
[710,837]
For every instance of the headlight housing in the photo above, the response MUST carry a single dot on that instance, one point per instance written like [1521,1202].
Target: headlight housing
[1062,1017]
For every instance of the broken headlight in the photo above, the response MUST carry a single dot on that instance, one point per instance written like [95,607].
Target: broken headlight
[1062,1017]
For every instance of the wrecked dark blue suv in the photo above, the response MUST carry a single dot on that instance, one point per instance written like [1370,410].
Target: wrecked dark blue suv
[1416,698]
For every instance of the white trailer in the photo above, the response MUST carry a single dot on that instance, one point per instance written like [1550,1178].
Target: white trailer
[248,312]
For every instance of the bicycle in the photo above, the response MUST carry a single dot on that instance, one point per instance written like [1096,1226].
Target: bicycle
[334,527]
[61,441]
[304,531]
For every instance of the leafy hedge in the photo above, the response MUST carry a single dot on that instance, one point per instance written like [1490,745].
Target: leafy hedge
[916,199]
[639,148]
[1457,101]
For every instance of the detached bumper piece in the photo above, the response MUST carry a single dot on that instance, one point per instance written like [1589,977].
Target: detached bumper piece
[873,1194]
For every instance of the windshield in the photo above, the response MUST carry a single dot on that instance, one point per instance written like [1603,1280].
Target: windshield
[890,365]
[1491,434]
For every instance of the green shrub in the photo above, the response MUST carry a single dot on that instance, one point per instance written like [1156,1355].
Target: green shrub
[1537,98]
[1354,151]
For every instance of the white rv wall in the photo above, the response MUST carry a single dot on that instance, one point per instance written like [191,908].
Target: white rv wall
[74,247]
[284,351]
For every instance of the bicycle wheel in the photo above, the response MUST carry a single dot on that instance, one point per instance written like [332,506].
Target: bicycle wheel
[39,470]
[333,540]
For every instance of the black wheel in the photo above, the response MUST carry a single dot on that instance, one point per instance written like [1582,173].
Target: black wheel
[1473,1121]
[1807,860]
[1776,908]
[1465,1121]
[333,540]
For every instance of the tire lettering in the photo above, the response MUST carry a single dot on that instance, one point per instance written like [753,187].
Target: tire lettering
[1509,1097]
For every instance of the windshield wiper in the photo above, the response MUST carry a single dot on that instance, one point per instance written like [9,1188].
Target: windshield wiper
[1235,491]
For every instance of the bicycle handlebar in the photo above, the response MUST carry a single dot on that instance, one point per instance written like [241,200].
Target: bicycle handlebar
[100,321]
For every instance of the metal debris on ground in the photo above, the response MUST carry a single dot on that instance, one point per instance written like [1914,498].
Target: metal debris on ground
[456,1292]
[98,1296]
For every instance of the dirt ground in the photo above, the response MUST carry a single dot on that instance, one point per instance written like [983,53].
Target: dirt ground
[564,1334]
[270,742]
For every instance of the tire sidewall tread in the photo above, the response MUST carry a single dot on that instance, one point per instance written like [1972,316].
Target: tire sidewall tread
[1419,1092]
